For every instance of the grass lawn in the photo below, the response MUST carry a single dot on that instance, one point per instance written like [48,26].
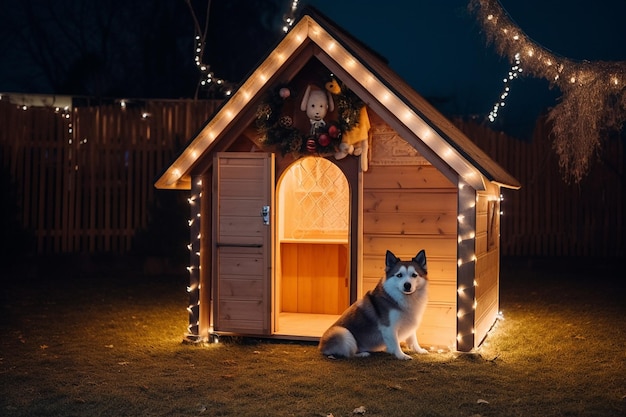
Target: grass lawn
[110,344]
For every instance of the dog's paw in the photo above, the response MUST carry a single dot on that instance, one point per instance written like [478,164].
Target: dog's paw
[418,349]
[403,356]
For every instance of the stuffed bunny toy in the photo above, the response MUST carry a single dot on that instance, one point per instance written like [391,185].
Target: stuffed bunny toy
[316,103]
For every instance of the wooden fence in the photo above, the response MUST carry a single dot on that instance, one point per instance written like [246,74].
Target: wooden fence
[85,176]
[548,216]
[85,179]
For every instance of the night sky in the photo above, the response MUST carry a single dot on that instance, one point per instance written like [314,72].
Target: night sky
[436,46]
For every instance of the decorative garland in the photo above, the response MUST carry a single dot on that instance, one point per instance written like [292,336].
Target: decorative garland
[277,130]
[594,93]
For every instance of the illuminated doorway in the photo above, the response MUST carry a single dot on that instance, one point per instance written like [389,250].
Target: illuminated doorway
[312,258]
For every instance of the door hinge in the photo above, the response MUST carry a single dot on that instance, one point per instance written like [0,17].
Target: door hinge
[265,213]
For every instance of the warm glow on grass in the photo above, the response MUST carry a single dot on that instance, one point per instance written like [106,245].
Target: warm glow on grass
[112,344]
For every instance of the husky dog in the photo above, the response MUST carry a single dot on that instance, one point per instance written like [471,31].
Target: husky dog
[386,315]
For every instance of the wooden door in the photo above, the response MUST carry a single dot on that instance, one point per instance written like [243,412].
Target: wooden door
[243,213]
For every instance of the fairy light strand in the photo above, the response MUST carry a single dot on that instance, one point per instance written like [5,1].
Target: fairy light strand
[514,72]
[208,81]
[290,17]
[593,91]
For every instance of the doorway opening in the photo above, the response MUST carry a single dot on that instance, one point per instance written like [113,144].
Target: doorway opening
[312,256]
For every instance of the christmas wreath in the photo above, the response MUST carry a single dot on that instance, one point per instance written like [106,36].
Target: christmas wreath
[277,128]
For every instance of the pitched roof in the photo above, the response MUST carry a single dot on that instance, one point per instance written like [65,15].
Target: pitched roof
[366,74]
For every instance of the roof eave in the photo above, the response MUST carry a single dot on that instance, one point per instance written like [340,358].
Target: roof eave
[341,57]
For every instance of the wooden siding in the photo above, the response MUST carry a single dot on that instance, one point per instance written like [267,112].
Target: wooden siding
[407,208]
[487,268]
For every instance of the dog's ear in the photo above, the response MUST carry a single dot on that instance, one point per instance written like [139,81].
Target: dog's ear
[390,260]
[420,259]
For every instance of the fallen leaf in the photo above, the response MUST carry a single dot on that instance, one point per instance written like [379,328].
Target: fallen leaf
[359,410]
[122,363]
[43,347]
[481,401]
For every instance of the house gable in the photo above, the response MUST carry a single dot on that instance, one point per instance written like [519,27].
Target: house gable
[367,75]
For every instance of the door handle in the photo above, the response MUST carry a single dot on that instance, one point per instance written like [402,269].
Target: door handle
[265,213]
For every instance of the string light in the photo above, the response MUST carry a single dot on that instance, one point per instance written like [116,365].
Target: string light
[209,82]
[593,92]
[290,17]
[515,70]
[194,268]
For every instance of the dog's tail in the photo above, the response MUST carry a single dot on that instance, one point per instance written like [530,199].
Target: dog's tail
[338,341]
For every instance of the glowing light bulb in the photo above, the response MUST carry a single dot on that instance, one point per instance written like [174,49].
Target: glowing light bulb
[514,72]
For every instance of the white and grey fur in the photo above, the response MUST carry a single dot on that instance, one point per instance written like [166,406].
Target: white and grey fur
[385,316]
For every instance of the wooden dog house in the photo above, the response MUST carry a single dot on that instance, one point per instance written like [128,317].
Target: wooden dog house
[282,242]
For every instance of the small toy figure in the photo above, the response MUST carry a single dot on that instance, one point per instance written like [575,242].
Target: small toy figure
[316,103]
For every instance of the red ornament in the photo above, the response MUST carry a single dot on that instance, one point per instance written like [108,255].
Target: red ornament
[284,92]
[323,139]
[311,146]
[333,131]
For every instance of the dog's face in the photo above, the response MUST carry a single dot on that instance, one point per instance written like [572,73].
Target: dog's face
[405,276]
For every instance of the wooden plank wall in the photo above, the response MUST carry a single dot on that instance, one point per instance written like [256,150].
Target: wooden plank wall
[406,209]
[548,216]
[487,271]
[85,178]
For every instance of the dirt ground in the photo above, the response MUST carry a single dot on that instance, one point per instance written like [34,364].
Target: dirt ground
[105,341]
